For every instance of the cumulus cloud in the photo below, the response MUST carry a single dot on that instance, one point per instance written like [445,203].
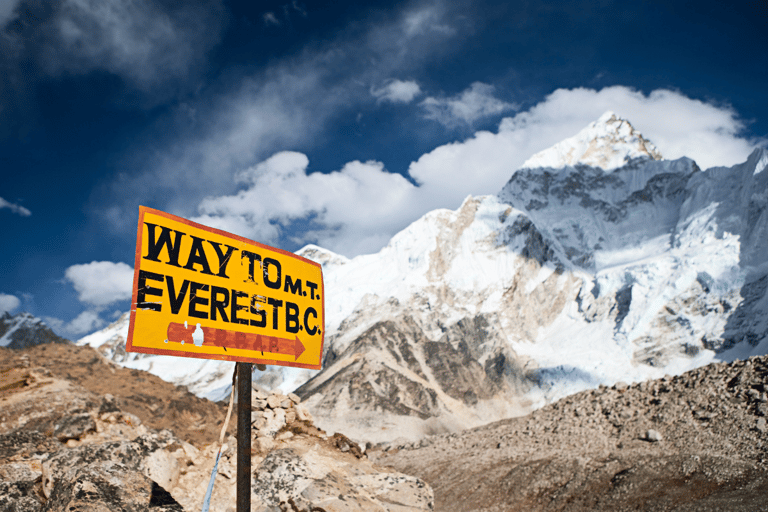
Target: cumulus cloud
[396,91]
[8,303]
[677,125]
[84,323]
[357,209]
[100,283]
[146,42]
[353,208]
[15,208]
[476,102]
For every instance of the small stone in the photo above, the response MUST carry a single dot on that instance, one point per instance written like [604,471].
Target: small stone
[130,419]
[273,401]
[653,436]
[259,404]
[295,398]
[74,427]
[283,436]
[286,404]
[259,394]
[761,425]
[264,444]
[290,416]
[302,413]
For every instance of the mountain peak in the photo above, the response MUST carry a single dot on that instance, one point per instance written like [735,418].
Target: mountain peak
[608,143]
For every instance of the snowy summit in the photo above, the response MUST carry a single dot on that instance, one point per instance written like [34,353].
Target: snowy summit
[609,143]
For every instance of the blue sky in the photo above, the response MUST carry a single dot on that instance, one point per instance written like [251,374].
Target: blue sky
[336,124]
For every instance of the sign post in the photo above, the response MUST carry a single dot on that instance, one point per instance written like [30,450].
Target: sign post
[204,293]
[244,441]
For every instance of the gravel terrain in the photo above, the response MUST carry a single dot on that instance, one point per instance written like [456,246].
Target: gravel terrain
[697,441]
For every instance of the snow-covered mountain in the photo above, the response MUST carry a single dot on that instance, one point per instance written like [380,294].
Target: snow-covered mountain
[597,262]
[24,330]
[623,268]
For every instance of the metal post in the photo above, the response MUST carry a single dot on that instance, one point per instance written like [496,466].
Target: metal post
[244,437]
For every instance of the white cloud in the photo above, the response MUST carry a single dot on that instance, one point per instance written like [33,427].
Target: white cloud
[145,42]
[270,19]
[677,125]
[84,323]
[425,19]
[8,11]
[8,303]
[357,209]
[472,104]
[283,106]
[397,91]
[347,209]
[100,283]
[15,208]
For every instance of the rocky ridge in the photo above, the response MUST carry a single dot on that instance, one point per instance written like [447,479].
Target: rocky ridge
[696,441]
[24,330]
[64,447]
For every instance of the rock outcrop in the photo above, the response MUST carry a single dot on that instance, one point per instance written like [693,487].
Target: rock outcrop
[24,330]
[64,448]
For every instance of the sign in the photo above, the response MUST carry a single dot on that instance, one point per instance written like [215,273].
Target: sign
[201,292]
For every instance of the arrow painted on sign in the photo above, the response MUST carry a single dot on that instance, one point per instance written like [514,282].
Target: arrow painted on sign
[233,339]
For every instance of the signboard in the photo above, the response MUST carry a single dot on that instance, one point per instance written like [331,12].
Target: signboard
[201,292]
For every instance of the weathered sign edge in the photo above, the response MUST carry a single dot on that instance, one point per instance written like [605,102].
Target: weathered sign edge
[223,357]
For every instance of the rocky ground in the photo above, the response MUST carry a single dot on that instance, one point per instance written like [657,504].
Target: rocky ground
[78,433]
[697,441]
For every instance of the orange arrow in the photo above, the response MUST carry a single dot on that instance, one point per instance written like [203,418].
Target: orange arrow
[235,339]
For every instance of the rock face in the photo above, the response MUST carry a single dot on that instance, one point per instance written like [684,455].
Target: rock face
[65,448]
[597,262]
[24,330]
[697,441]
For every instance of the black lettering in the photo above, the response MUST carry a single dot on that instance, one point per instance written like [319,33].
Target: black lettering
[219,305]
[144,290]
[310,330]
[292,287]
[223,258]
[237,307]
[251,259]
[195,299]
[291,317]
[275,285]
[312,288]
[164,240]
[176,300]
[262,314]
[276,305]
[197,256]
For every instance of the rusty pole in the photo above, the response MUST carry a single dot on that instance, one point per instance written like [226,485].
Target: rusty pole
[244,437]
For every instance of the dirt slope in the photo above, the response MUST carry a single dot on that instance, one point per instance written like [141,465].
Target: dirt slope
[694,442]
[159,404]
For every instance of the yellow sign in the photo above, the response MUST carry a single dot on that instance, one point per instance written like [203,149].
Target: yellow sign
[202,292]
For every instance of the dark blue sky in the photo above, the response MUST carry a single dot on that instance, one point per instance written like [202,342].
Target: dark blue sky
[182,105]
